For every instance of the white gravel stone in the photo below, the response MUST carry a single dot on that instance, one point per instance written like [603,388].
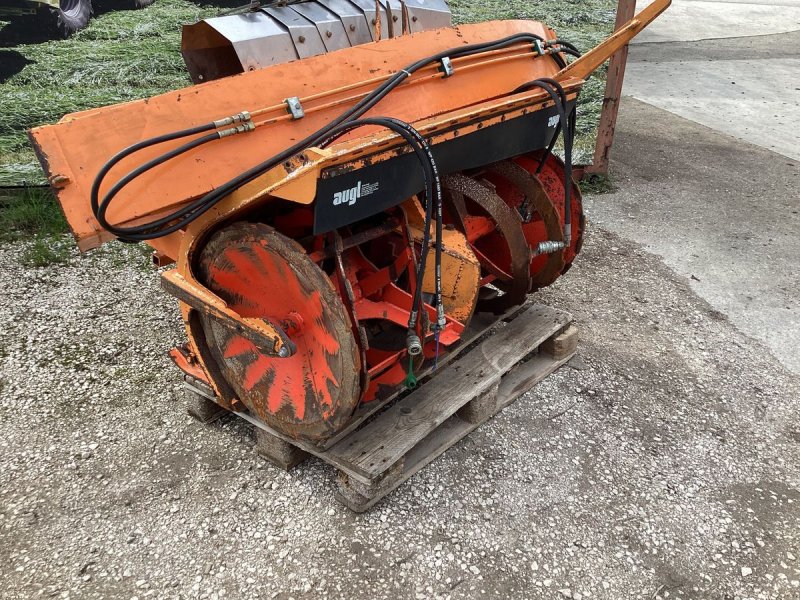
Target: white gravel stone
[676,451]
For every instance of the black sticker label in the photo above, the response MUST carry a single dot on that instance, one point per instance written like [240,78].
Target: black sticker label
[346,195]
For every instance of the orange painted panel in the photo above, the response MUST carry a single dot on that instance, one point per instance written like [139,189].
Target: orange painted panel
[78,146]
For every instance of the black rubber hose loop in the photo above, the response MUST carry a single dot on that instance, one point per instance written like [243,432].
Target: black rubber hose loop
[566,127]
[433,196]
[185,215]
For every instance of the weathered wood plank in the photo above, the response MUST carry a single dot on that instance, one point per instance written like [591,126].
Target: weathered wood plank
[512,386]
[525,376]
[562,344]
[280,453]
[479,325]
[425,452]
[377,446]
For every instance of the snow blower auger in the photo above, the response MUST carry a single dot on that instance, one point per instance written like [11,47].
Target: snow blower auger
[335,235]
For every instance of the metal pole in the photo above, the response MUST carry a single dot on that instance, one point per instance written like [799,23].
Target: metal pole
[626,9]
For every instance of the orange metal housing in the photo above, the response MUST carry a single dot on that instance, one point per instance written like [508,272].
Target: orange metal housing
[73,150]
[76,148]
[479,96]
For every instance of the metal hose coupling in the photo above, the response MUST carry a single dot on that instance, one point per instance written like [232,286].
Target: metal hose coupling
[441,321]
[413,344]
[242,117]
[244,128]
[549,247]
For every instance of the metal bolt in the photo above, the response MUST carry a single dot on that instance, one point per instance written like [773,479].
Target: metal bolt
[352,27]
[414,19]
[328,33]
[301,39]
[394,18]
[283,352]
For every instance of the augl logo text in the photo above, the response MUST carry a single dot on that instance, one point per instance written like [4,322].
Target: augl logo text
[351,196]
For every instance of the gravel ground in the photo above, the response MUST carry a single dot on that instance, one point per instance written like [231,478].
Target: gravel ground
[663,462]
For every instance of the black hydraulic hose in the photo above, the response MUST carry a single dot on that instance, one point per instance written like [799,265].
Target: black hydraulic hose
[568,48]
[109,196]
[187,214]
[567,128]
[527,86]
[362,107]
[435,197]
[136,148]
[432,185]
[433,193]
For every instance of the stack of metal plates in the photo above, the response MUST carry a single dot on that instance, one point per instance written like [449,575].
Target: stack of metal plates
[285,31]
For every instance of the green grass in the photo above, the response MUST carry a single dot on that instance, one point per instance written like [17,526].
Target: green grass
[585,23]
[121,56]
[46,250]
[33,215]
[597,184]
[126,55]
[28,212]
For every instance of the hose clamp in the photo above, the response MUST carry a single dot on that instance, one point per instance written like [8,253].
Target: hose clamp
[295,107]
[447,67]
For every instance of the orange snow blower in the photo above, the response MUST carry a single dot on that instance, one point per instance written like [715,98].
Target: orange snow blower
[336,233]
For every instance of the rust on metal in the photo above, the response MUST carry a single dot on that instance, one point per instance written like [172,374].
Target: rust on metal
[261,274]
[299,308]
[503,251]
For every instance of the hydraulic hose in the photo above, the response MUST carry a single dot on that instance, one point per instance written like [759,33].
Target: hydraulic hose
[185,215]
[136,148]
[432,185]
[568,48]
[567,128]
[101,211]
[433,197]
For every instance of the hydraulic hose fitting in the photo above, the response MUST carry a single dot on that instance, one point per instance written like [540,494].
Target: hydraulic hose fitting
[441,321]
[244,128]
[223,122]
[550,247]
[413,343]
[242,117]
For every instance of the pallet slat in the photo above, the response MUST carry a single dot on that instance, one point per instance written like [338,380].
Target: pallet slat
[376,458]
[380,444]
[454,429]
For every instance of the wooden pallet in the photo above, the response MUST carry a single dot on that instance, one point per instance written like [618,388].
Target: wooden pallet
[374,456]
